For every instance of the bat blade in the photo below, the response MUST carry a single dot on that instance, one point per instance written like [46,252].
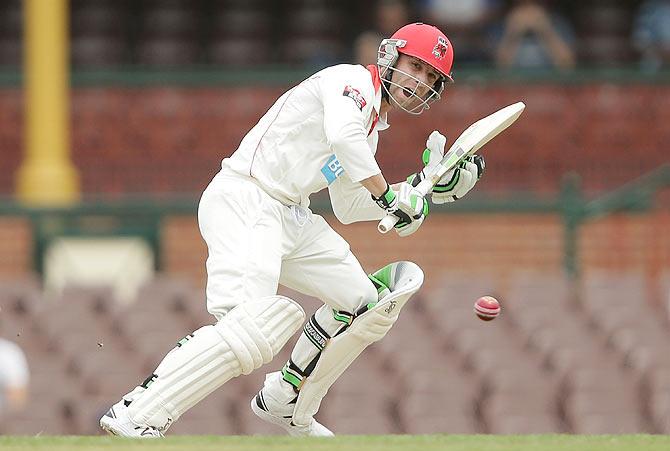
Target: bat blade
[469,142]
[474,138]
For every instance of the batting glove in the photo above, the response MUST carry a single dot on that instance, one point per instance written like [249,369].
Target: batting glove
[407,204]
[454,184]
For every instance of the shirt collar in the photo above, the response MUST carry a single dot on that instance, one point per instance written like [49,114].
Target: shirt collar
[377,83]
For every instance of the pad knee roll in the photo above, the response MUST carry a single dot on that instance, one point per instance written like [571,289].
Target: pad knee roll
[256,331]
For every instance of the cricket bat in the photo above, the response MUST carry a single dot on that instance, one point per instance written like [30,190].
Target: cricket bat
[470,141]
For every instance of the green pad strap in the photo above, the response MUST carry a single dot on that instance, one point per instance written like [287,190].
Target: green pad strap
[290,376]
[343,317]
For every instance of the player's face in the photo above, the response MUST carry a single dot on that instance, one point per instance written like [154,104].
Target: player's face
[412,82]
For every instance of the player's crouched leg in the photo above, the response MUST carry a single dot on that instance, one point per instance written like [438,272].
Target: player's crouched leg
[395,283]
[275,402]
[250,335]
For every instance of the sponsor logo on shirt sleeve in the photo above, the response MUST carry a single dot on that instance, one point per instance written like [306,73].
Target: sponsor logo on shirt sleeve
[355,95]
[332,169]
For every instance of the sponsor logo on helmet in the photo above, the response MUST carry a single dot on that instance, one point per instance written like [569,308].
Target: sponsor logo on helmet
[440,49]
[356,96]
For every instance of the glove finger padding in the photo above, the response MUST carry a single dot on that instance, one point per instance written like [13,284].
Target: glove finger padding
[434,150]
[404,229]
[411,201]
[456,183]
[407,204]
[414,205]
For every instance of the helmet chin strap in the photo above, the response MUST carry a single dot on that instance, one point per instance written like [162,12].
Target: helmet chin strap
[387,85]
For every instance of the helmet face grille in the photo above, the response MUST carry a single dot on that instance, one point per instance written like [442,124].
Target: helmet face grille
[387,58]
[425,43]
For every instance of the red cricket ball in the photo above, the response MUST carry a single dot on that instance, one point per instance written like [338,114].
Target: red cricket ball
[487,308]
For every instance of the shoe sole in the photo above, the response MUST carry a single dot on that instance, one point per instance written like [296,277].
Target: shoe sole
[269,418]
[265,416]
[107,427]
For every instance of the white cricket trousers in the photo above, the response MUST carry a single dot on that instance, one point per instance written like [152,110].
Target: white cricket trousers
[255,243]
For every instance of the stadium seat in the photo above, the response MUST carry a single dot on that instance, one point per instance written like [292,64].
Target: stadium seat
[440,424]
[97,52]
[425,412]
[361,425]
[212,416]
[608,423]
[523,423]
[659,411]
[588,412]
[242,22]
[521,403]
[644,357]
[97,19]
[510,379]
[11,52]
[167,52]
[240,52]
[439,378]
[42,416]
[338,407]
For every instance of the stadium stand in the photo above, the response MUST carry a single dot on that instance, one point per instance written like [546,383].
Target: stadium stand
[510,376]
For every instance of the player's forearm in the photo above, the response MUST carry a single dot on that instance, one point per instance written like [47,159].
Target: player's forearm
[507,48]
[376,184]
[559,50]
[352,203]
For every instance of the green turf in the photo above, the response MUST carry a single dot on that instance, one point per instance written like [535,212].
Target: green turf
[346,443]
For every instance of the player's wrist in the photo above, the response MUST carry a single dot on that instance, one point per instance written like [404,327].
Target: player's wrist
[387,200]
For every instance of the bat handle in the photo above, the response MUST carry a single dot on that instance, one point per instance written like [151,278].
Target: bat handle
[425,186]
[387,223]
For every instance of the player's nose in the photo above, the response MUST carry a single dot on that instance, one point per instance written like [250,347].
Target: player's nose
[422,88]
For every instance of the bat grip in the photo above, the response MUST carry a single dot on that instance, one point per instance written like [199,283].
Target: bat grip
[388,221]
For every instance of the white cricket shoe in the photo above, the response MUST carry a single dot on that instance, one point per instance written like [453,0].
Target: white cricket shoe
[117,422]
[267,406]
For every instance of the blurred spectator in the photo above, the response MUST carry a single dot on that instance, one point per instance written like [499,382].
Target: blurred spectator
[13,377]
[389,15]
[603,29]
[651,34]
[366,47]
[468,24]
[534,36]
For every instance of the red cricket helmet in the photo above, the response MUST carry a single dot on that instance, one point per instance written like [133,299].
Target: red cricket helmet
[428,44]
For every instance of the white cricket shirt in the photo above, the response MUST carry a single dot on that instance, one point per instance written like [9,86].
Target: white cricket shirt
[321,133]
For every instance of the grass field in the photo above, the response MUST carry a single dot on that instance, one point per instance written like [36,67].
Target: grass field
[345,443]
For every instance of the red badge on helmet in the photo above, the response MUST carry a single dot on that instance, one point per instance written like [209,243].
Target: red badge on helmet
[355,95]
[440,49]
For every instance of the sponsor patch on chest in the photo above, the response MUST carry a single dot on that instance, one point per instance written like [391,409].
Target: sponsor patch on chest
[332,169]
[355,95]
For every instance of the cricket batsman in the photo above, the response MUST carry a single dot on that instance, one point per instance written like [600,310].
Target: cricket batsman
[255,218]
